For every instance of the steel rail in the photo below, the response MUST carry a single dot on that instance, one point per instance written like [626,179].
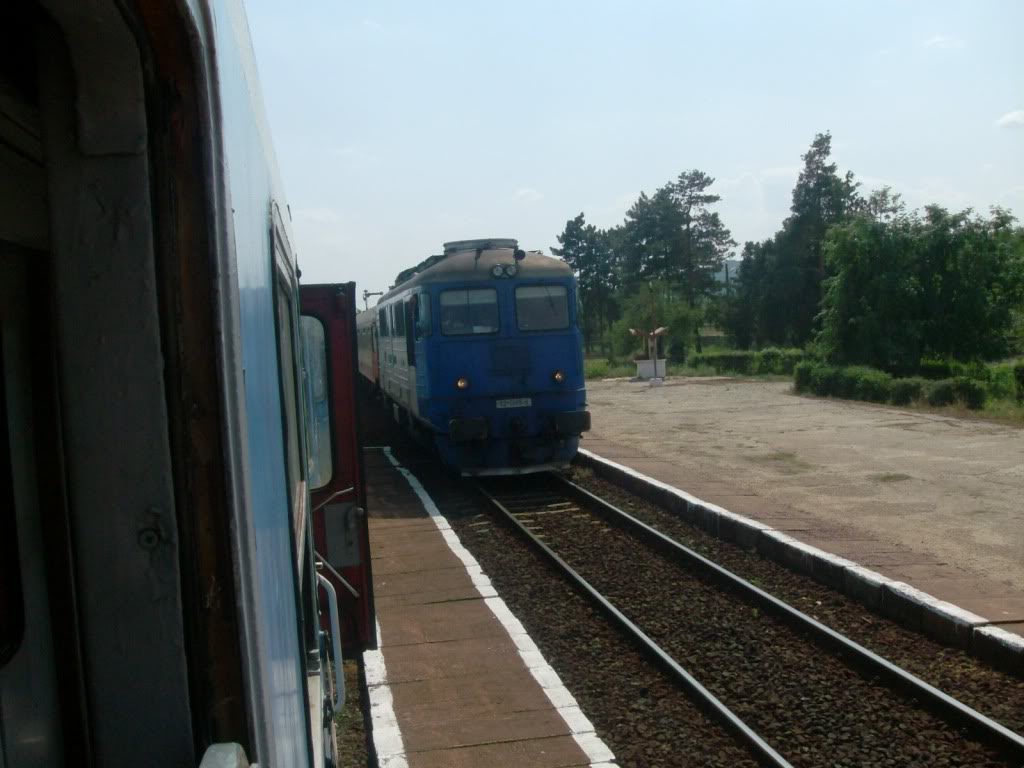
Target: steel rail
[746,734]
[989,730]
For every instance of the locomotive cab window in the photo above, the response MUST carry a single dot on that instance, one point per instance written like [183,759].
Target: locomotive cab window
[382,321]
[542,308]
[469,311]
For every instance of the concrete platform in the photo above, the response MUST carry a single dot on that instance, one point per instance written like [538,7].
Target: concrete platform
[918,587]
[456,681]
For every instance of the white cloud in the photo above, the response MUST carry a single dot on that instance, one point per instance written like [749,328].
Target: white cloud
[943,43]
[318,215]
[1013,119]
[371,24]
[528,194]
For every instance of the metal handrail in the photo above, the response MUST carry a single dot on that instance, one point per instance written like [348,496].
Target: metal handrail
[339,672]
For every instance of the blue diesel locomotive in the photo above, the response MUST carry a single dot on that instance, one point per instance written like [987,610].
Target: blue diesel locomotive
[478,350]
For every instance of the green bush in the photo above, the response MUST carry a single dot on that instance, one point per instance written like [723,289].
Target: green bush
[942,392]
[595,369]
[873,386]
[790,359]
[1018,375]
[906,391]
[935,369]
[775,360]
[971,392]
[844,383]
[735,361]
[823,379]
[769,360]
[802,376]
[1001,384]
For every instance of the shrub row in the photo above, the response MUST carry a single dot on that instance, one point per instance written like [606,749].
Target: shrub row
[874,386]
[768,360]
[953,369]
[1018,375]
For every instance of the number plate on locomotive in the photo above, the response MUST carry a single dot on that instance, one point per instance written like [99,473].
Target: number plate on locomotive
[515,402]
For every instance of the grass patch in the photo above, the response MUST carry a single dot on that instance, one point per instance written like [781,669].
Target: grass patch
[890,477]
[787,461]
[603,369]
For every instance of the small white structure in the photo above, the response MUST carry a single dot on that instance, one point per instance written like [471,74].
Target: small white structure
[650,369]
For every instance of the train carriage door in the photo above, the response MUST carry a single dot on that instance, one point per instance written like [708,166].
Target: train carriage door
[338,494]
[419,332]
[412,359]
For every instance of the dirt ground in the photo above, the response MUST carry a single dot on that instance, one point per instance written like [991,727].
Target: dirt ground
[949,487]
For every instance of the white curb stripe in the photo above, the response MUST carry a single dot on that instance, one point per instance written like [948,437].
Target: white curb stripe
[387,736]
[581,728]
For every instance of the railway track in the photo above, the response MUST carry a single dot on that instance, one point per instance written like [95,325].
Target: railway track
[794,691]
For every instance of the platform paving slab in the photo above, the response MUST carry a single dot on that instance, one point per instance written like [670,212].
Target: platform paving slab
[553,752]
[460,689]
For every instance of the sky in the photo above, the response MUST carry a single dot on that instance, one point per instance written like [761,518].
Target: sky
[400,125]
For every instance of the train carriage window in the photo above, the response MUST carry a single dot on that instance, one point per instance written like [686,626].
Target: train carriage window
[12,609]
[289,391]
[382,321]
[469,311]
[423,324]
[314,347]
[542,308]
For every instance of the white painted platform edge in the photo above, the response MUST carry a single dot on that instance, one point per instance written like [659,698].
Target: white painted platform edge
[561,699]
[945,615]
[387,736]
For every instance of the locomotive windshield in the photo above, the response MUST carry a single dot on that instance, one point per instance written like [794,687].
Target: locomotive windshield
[469,311]
[542,308]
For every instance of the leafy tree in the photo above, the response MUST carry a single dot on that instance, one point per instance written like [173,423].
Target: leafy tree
[972,276]
[587,250]
[652,305]
[945,285]
[673,235]
[872,309]
[821,198]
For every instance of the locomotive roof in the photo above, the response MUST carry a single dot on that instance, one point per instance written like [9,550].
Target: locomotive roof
[466,266]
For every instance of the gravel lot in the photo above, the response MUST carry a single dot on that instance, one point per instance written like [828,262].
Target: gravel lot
[943,486]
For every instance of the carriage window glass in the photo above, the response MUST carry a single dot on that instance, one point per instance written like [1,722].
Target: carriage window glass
[382,321]
[12,608]
[469,311]
[289,392]
[318,428]
[423,316]
[399,310]
[542,307]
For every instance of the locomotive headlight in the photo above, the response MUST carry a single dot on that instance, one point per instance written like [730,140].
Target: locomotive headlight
[558,376]
[462,382]
[497,270]
[511,270]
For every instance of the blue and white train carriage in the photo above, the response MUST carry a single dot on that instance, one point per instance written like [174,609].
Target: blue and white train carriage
[159,481]
[479,350]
